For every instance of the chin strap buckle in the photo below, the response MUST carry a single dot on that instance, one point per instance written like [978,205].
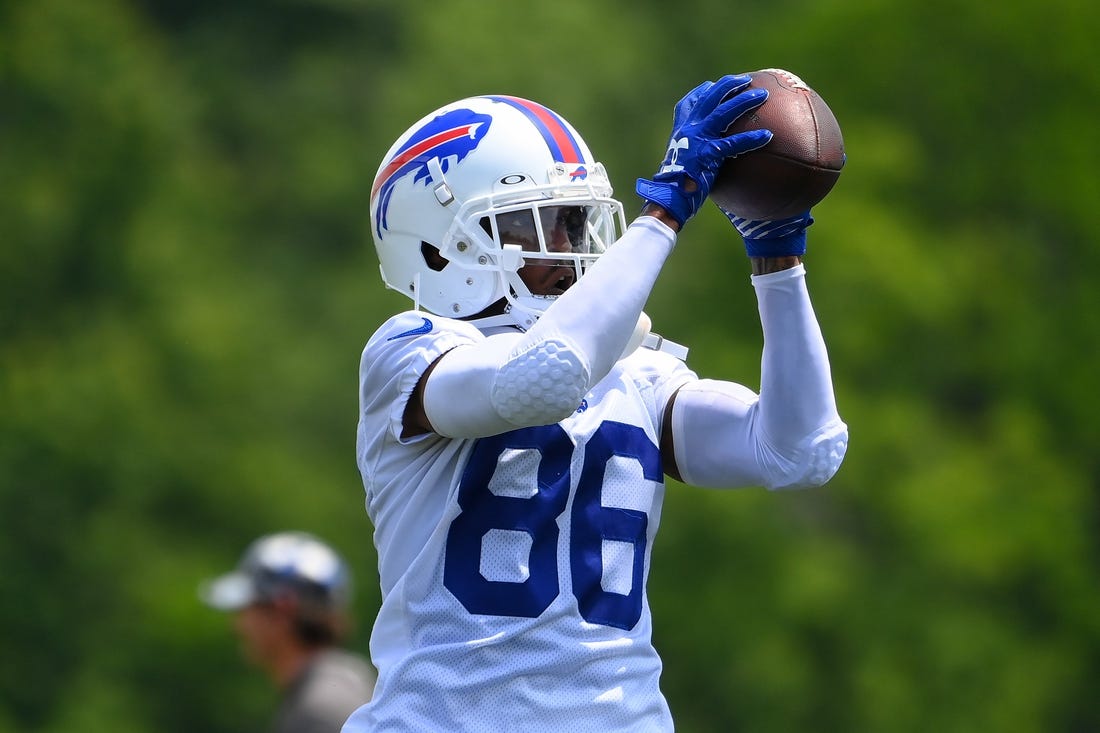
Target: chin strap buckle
[442,191]
[657,342]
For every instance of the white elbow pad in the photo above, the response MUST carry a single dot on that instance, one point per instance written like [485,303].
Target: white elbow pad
[541,385]
[818,458]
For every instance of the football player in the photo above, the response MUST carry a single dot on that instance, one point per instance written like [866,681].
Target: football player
[516,425]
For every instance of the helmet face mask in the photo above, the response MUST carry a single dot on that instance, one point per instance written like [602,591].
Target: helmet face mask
[548,235]
[494,185]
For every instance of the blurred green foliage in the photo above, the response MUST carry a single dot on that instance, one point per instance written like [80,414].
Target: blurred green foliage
[186,282]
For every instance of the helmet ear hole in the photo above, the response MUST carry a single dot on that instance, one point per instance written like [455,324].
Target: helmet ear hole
[432,258]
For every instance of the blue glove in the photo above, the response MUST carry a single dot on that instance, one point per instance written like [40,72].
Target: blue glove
[698,147]
[779,238]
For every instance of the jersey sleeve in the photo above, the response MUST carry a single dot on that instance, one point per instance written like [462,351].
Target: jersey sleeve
[395,358]
[658,376]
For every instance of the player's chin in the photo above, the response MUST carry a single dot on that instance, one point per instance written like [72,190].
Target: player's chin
[554,281]
[565,282]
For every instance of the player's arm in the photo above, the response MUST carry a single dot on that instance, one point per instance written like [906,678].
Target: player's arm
[477,364]
[540,377]
[790,435]
[721,434]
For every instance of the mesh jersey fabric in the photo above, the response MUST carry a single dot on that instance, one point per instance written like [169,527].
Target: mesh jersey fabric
[513,567]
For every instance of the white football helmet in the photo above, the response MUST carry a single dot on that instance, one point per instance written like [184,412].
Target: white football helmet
[480,188]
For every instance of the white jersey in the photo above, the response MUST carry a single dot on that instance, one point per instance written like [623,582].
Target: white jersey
[513,568]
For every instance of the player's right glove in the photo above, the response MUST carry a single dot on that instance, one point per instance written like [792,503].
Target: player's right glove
[698,145]
[779,238]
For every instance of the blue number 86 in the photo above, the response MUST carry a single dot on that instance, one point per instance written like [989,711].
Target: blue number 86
[591,524]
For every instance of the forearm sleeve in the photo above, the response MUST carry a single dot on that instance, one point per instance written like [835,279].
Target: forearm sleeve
[540,377]
[796,384]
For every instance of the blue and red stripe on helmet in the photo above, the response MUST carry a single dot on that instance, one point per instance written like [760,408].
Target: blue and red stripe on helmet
[563,145]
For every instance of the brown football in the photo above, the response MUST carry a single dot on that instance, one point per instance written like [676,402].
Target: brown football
[797,168]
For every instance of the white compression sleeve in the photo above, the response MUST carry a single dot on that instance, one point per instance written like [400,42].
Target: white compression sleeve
[796,385]
[788,437]
[540,377]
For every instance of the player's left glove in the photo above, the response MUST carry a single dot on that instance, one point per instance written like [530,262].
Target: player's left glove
[779,238]
[698,145]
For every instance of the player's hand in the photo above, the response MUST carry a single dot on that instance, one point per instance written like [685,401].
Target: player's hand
[698,144]
[779,238]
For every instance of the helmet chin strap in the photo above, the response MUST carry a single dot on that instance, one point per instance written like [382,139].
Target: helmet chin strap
[416,291]
[519,312]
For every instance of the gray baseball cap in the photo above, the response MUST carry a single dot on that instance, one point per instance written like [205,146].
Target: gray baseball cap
[281,563]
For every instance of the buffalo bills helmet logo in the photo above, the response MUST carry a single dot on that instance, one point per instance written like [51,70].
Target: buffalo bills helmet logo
[453,134]
[579,174]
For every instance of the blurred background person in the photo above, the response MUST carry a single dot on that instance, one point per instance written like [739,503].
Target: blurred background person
[290,594]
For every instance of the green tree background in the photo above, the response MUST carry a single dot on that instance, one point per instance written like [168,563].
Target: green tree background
[186,282]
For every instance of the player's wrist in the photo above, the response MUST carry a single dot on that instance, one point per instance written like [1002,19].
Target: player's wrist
[679,197]
[661,214]
[791,245]
[767,265]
